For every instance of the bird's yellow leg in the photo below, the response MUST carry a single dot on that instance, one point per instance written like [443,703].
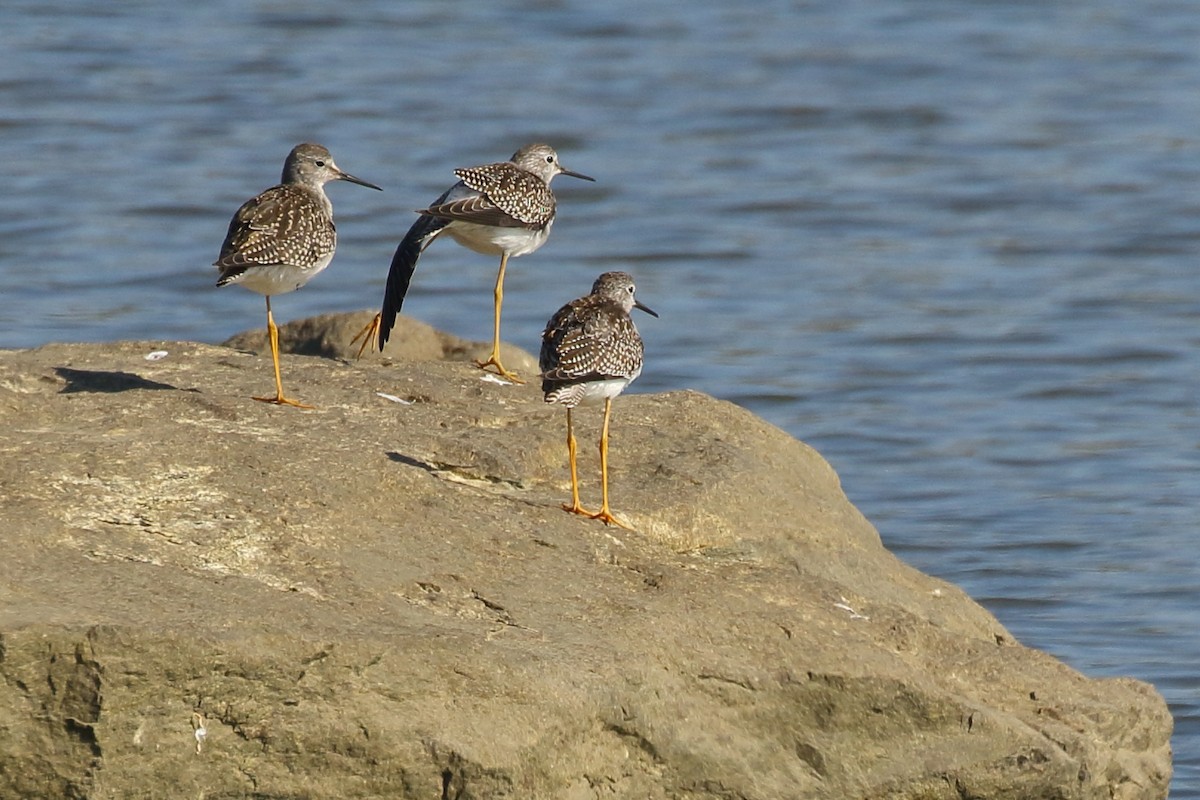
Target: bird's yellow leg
[574,508]
[273,340]
[604,514]
[493,360]
[368,335]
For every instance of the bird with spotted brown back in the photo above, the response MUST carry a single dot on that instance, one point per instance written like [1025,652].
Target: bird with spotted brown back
[591,350]
[280,239]
[504,209]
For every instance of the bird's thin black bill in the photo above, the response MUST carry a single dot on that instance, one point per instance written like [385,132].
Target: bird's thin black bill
[647,309]
[579,175]
[348,177]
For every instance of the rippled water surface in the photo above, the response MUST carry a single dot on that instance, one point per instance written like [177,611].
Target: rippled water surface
[952,245]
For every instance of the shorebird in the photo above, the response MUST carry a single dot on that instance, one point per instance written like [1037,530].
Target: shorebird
[591,351]
[503,209]
[280,239]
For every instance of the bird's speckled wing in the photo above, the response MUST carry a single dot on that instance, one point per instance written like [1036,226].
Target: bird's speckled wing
[589,339]
[284,225]
[502,195]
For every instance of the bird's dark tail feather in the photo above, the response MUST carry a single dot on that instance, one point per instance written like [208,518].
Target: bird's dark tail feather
[401,272]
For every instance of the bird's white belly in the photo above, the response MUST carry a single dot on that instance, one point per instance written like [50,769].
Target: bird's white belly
[595,392]
[273,279]
[495,241]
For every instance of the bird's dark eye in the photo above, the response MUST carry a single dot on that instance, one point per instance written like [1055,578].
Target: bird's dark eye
[319,163]
[549,159]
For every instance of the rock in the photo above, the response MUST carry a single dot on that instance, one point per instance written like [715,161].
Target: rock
[381,598]
[331,336]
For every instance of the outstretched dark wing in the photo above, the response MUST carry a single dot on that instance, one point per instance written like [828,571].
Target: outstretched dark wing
[422,232]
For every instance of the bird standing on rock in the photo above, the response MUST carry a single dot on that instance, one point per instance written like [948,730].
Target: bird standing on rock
[503,209]
[280,239]
[591,351]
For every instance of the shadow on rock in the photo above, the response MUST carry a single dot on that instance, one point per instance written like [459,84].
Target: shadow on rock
[410,461]
[89,380]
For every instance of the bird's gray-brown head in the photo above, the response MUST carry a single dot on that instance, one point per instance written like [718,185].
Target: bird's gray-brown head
[541,160]
[620,288]
[312,165]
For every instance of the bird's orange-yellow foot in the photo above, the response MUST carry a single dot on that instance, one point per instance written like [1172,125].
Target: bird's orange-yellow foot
[280,400]
[575,508]
[273,340]
[494,361]
[572,451]
[606,516]
[368,335]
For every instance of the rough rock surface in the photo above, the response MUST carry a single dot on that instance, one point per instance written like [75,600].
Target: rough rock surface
[381,598]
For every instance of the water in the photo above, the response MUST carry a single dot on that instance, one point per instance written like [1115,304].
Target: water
[952,245]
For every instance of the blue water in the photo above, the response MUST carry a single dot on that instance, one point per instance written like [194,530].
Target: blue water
[951,244]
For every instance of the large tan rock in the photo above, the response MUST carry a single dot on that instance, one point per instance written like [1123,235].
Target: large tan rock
[333,336]
[381,598]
